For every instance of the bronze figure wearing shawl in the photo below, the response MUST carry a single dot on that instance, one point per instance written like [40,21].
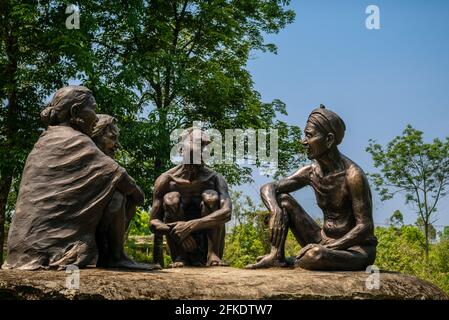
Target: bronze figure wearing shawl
[67,185]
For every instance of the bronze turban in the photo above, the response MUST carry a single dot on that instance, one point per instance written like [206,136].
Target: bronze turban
[328,121]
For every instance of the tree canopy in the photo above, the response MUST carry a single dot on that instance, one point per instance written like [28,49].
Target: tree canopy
[34,62]
[416,169]
[160,65]
[155,65]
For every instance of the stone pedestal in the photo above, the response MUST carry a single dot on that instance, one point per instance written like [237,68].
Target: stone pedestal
[211,283]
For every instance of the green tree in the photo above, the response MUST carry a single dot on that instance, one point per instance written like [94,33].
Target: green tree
[243,245]
[444,234]
[397,219]
[156,65]
[249,235]
[417,169]
[35,52]
[400,249]
[431,231]
[139,225]
[159,65]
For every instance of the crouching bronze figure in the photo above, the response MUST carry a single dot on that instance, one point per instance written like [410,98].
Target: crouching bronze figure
[191,205]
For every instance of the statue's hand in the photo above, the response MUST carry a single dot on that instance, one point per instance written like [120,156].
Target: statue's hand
[278,226]
[181,230]
[332,244]
[160,227]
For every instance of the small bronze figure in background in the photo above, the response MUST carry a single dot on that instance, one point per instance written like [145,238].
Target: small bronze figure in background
[191,205]
[105,135]
[346,241]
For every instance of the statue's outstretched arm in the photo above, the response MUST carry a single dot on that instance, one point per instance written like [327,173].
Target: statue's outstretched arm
[270,191]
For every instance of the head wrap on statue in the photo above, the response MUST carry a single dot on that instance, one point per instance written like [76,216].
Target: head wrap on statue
[328,121]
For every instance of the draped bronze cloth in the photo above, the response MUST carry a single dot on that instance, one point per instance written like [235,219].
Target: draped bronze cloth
[66,184]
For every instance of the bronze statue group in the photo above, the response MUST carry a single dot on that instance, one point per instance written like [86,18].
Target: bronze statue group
[76,202]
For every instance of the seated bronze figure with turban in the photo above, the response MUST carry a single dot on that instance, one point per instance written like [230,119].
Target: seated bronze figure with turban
[346,240]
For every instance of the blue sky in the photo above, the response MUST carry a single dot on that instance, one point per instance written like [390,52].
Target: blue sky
[378,81]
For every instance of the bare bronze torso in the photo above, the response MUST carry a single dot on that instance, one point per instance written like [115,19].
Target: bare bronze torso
[333,197]
[182,210]
[191,190]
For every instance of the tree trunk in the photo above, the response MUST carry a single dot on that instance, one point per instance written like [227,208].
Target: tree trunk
[5,185]
[10,129]
[426,234]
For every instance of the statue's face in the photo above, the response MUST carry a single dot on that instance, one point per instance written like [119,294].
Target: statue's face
[314,141]
[89,117]
[193,152]
[108,141]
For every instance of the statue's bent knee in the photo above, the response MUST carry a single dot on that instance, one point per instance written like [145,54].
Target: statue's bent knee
[314,254]
[210,202]
[311,258]
[284,200]
[210,197]
[172,206]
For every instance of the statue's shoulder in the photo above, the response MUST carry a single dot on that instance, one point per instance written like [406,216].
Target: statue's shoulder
[209,173]
[63,132]
[354,173]
[166,177]
[60,137]
[308,170]
[217,177]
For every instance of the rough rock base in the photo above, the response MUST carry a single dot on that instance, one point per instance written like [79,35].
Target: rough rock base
[211,283]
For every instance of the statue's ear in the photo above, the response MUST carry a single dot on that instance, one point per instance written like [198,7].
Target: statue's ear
[330,140]
[75,110]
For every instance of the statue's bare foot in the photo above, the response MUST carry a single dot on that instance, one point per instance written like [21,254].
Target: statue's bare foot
[268,261]
[179,262]
[214,261]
